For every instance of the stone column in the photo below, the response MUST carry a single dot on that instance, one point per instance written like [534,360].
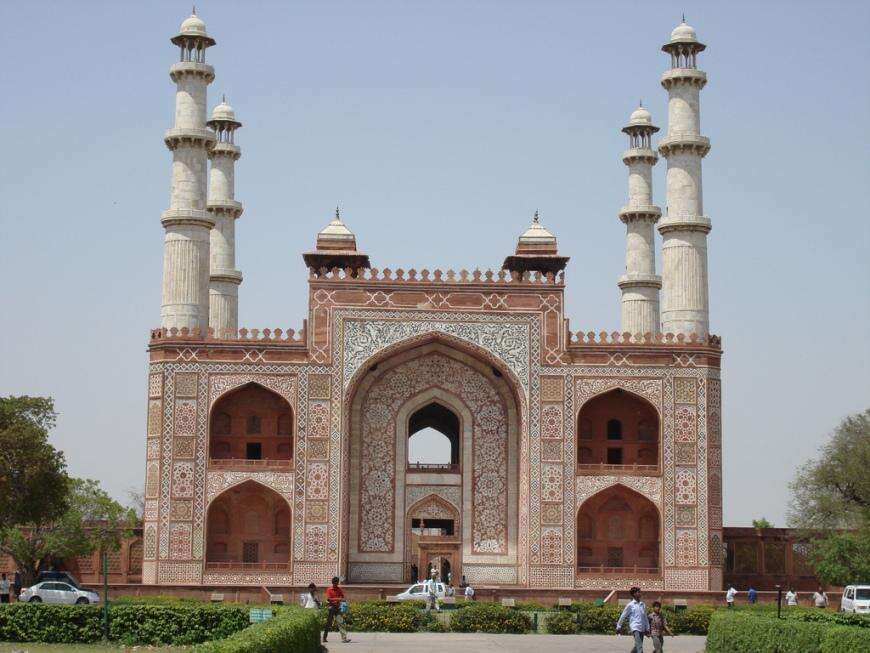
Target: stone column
[224,278]
[187,223]
[640,285]
[685,304]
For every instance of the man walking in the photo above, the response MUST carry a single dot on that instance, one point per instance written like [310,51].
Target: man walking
[729,596]
[431,588]
[335,599]
[638,624]
[4,589]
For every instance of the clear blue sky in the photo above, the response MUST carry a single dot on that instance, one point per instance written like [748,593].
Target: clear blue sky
[440,128]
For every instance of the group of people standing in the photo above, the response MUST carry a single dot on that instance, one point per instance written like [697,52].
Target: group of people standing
[819,598]
[336,607]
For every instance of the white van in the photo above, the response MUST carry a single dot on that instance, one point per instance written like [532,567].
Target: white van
[856,598]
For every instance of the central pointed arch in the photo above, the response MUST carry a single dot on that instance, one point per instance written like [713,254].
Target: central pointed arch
[381,404]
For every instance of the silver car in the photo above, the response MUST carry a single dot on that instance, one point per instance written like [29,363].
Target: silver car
[52,591]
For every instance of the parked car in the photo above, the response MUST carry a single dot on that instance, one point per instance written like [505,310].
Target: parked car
[62,576]
[51,591]
[856,598]
[418,592]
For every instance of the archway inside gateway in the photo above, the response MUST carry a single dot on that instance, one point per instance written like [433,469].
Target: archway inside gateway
[619,429]
[433,439]
[248,527]
[473,408]
[618,531]
[251,426]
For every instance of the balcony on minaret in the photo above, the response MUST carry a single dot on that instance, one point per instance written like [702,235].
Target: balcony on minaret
[336,248]
[536,251]
[684,47]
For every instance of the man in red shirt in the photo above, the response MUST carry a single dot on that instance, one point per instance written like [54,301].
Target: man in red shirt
[335,599]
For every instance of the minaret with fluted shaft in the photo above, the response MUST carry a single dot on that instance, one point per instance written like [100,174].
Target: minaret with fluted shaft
[187,222]
[223,315]
[684,229]
[640,285]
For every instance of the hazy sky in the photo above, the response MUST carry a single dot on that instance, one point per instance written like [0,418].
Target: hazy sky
[440,127]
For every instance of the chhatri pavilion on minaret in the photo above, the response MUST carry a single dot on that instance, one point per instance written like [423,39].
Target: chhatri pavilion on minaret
[577,460]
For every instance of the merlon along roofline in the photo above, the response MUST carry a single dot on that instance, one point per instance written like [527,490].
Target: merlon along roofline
[581,338]
[278,336]
[412,276]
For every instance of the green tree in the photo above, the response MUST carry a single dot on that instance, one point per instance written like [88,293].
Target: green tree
[93,521]
[761,523]
[833,492]
[33,480]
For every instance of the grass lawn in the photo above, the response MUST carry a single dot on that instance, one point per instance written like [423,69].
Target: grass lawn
[33,647]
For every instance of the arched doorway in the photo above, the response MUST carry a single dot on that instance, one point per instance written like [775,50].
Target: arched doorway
[248,527]
[618,430]
[434,439]
[251,427]
[618,531]
[471,404]
[433,539]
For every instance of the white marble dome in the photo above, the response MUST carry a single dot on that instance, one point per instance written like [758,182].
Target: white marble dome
[683,33]
[640,116]
[223,111]
[192,26]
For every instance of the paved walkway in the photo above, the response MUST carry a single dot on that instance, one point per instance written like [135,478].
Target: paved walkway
[479,642]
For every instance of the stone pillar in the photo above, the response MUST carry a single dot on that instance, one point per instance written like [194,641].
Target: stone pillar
[685,304]
[224,278]
[187,223]
[640,285]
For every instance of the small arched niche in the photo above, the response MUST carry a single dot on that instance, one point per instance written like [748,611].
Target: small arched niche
[618,429]
[248,526]
[434,439]
[618,531]
[251,426]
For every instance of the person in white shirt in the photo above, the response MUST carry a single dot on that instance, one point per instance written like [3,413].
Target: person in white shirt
[469,593]
[309,599]
[4,589]
[791,597]
[820,598]
[638,622]
[431,589]
[729,596]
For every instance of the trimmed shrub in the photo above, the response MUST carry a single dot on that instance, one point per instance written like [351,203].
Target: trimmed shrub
[489,618]
[389,618]
[694,620]
[593,618]
[741,632]
[128,623]
[562,623]
[846,639]
[290,630]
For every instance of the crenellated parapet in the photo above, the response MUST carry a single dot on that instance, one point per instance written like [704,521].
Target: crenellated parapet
[437,276]
[658,339]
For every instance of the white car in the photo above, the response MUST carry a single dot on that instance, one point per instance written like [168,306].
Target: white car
[856,598]
[418,592]
[52,591]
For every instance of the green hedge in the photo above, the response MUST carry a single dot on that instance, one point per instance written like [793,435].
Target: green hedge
[734,631]
[291,630]
[846,639]
[562,623]
[489,618]
[130,624]
[383,617]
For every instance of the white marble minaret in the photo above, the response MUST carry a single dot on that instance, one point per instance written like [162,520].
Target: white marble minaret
[223,314]
[187,222]
[684,229]
[640,285]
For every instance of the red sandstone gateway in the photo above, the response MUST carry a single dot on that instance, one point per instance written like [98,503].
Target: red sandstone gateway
[577,460]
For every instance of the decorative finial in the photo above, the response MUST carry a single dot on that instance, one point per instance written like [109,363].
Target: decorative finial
[193,12]
[337,213]
[640,102]
[223,98]
[537,217]
[684,18]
